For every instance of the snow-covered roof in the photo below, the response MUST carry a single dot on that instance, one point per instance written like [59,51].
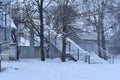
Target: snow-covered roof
[13,25]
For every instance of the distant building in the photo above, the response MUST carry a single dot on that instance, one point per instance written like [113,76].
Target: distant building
[6,26]
[115,41]
[5,21]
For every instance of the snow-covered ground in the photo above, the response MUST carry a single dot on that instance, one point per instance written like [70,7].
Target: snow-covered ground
[34,69]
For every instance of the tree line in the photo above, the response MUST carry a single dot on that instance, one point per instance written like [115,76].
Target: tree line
[61,16]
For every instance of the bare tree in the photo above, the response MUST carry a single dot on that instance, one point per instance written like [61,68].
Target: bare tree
[97,11]
[27,17]
[32,18]
[63,14]
[40,10]
[14,32]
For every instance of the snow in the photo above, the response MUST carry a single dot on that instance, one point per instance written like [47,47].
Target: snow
[34,69]
[12,24]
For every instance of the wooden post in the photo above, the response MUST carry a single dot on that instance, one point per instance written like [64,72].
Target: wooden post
[111,59]
[88,56]
[78,54]
[0,58]
[69,47]
[0,64]
[85,58]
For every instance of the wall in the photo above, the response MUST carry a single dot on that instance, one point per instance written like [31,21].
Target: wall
[2,35]
[25,52]
[89,45]
[53,52]
[114,50]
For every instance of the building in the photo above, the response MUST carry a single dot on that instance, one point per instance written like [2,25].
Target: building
[115,41]
[5,21]
[6,25]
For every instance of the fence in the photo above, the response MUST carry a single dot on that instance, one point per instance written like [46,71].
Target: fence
[25,52]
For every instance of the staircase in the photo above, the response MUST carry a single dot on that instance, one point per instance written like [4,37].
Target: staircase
[94,59]
[81,54]
[58,52]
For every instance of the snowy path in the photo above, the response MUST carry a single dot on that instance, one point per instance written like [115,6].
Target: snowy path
[55,70]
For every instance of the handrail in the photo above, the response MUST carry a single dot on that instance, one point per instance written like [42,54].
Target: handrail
[104,52]
[78,47]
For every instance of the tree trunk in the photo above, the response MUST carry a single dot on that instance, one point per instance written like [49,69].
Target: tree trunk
[18,51]
[102,32]
[102,29]
[15,40]
[103,42]
[99,43]
[63,49]
[40,8]
[103,39]
[17,47]
[64,30]
[55,40]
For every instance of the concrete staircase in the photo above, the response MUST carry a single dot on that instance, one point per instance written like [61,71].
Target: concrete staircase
[92,59]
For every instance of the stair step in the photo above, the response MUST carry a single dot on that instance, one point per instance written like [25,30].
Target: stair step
[96,62]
